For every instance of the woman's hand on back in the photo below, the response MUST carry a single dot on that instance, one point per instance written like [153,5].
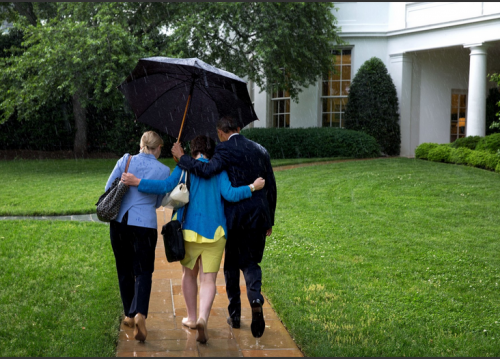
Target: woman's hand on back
[130,180]
[259,183]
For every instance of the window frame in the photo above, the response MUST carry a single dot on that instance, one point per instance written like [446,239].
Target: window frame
[458,92]
[340,96]
[272,115]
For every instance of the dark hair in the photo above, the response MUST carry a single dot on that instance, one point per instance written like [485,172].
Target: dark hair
[204,145]
[227,124]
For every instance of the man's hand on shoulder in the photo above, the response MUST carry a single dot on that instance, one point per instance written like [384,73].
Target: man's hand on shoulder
[177,150]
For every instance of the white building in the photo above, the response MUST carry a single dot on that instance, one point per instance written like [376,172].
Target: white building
[438,55]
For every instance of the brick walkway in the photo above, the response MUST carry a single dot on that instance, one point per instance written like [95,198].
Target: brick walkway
[168,338]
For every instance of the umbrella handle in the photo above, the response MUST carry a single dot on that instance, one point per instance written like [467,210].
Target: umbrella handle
[184,117]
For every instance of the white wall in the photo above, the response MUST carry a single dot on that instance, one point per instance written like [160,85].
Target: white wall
[440,71]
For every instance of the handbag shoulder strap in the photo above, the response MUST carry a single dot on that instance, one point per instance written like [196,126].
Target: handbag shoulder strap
[187,204]
[128,163]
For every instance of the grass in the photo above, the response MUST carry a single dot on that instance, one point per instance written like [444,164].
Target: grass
[51,187]
[58,187]
[58,290]
[389,257]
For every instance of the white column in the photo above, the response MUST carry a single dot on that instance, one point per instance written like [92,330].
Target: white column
[401,74]
[476,102]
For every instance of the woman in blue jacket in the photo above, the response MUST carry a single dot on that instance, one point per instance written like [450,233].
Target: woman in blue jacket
[204,229]
[134,232]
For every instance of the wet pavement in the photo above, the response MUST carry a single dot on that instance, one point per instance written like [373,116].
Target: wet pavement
[167,337]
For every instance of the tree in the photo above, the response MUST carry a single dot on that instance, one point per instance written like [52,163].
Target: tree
[260,39]
[79,52]
[372,106]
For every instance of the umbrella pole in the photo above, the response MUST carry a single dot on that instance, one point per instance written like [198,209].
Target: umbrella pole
[184,117]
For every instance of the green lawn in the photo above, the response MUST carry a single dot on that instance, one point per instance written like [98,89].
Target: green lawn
[50,187]
[57,187]
[58,290]
[389,257]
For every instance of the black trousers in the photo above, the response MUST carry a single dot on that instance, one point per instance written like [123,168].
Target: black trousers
[244,251]
[134,249]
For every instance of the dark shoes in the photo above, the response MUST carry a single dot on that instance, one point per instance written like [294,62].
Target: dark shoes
[234,322]
[258,324]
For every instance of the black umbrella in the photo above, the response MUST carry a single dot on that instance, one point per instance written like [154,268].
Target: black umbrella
[186,97]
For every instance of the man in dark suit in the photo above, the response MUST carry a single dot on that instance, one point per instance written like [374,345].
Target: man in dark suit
[248,221]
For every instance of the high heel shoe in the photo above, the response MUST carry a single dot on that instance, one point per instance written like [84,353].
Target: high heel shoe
[189,323]
[202,335]
[129,322]
[140,331]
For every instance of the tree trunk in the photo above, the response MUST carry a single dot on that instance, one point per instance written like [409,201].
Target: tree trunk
[80,114]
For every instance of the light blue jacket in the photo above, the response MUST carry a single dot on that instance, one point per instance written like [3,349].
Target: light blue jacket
[141,207]
[205,210]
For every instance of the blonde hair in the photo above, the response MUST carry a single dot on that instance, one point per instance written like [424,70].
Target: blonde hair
[150,140]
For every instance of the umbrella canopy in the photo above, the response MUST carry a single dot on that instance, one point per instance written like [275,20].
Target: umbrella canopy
[161,89]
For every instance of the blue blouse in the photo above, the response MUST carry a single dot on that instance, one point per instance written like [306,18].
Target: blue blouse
[205,210]
[141,207]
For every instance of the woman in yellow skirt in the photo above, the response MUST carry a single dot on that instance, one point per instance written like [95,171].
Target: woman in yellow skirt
[204,229]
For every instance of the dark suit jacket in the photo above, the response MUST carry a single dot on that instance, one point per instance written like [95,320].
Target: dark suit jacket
[244,161]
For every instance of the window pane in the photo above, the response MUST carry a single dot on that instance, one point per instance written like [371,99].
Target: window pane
[346,85]
[454,100]
[327,105]
[337,105]
[336,75]
[346,72]
[334,88]
[287,120]
[324,92]
[276,107]
[326,119]
[346,57]
[336,120]
[287,106]
[463,101]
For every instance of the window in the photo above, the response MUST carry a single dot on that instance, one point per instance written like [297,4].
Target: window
[335,88]
[280,106]
[458,114]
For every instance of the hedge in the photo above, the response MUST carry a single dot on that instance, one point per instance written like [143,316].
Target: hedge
[489,143]
[483,159]
[440,153]
[459,155]
[468,142]
[314,142]
[422,151]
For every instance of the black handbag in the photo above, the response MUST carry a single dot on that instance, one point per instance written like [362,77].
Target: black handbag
[108,205]
[173,239]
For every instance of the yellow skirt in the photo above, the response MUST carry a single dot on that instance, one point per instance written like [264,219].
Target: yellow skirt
[211,255]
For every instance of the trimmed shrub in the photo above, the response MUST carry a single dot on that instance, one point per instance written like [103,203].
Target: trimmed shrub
[459,155]
[422,151]
[314,142]
[440,153]
[372,106]
[483,159]
[468,142]
[497,169]
[489,143]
